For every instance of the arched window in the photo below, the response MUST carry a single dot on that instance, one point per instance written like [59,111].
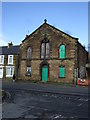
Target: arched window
[45,50]
[29,53]
[42,50]
[62,51]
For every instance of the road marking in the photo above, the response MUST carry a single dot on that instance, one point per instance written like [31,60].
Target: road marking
[79,105]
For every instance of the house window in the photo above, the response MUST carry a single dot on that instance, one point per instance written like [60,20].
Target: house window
[62,51]
[1,59]
[1,72]
[9,71]
[29,53]
[61,72]
[10,59]
[28,71]
[45,50]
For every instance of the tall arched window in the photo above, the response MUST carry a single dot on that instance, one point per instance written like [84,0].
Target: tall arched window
[29,53]
[62,51]
[42,50]
[45,50]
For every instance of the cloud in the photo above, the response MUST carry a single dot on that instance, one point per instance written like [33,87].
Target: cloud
[3,40]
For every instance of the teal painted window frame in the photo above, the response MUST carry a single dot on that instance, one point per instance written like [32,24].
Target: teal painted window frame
[62,70]
[62,51]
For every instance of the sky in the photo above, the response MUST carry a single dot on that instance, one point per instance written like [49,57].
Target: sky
[21,18]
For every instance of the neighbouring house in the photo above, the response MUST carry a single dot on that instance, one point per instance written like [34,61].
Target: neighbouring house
[9,58]
[47,54]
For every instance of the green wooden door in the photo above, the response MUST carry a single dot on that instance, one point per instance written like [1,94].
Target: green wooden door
[45,73]
[61,72]
[62,51]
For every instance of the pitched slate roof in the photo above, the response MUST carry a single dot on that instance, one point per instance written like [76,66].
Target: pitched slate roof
[4,50]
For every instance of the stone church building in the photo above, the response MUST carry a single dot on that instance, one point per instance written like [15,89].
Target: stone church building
[49,54]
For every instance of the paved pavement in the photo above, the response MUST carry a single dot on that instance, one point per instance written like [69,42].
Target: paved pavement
[44,87]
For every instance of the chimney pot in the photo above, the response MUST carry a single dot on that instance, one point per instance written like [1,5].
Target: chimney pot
[10,45]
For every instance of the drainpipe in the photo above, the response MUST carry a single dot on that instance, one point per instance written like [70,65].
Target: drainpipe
[77,61]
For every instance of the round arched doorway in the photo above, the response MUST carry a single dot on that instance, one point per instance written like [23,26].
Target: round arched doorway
[44,71]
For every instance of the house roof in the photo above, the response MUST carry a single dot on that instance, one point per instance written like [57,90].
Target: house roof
[4,50]
[53,28]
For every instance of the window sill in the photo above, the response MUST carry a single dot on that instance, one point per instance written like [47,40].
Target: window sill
[9,75]
[29,75]
[61,77]
[9,66]
[29,59]
[45,58]
[1,66]
[10,63]
[1,63]
[62,58]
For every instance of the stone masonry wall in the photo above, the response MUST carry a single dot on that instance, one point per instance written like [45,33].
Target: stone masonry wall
[56,38]
[82,57]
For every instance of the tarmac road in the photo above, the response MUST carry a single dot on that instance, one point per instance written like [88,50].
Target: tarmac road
[45,101]
[44,87]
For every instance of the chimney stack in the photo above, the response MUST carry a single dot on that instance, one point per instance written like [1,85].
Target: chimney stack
[10,45]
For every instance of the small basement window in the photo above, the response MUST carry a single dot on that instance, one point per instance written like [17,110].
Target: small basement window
[28,71]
